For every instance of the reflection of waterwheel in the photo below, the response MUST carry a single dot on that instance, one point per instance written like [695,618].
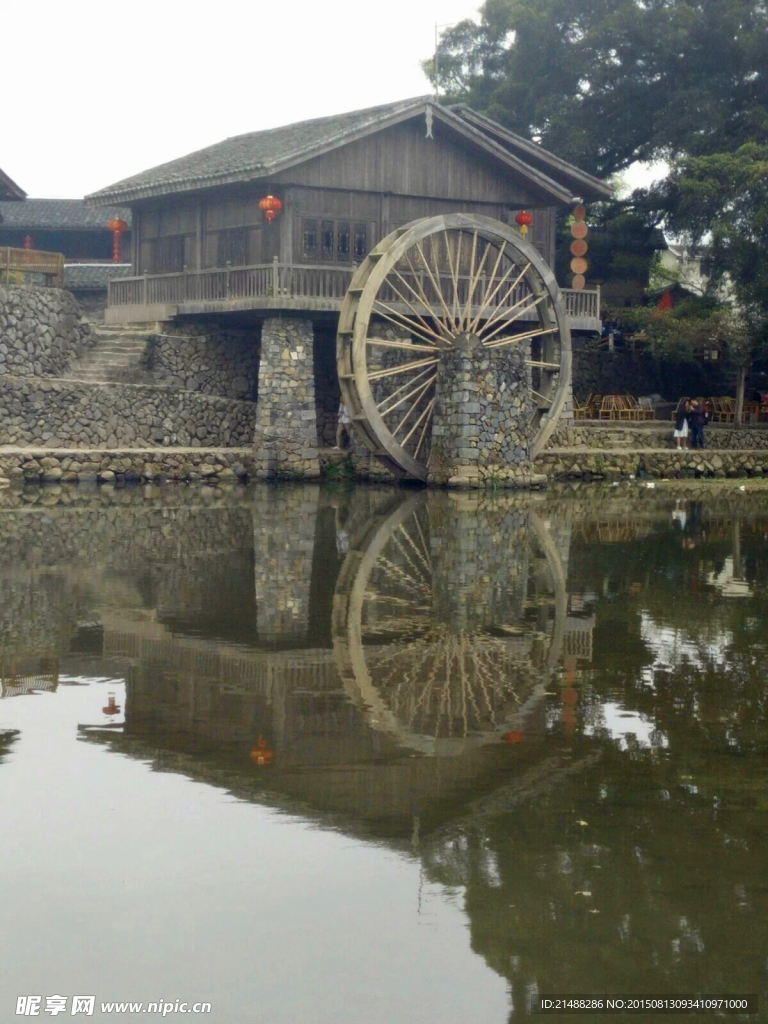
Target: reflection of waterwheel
[438,685]
[417,291]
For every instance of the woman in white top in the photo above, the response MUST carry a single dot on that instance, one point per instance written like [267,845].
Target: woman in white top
[342,426]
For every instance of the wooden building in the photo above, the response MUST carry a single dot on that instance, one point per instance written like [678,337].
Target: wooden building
[67,226]
[201,244]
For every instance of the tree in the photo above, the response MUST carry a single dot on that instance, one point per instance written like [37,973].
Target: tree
[605,83]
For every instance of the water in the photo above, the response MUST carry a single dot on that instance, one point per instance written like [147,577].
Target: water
[317,755]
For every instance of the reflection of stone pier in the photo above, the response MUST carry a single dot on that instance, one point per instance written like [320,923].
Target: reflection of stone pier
[284,524]
[479,560]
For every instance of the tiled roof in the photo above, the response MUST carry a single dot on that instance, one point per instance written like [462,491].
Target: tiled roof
[255,153]
[57,214]
[93,275]
[258,154]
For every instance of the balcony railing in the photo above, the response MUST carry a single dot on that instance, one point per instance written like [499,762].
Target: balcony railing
[282,281]
[31,266]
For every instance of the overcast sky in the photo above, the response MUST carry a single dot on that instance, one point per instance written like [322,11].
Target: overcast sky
[95,91]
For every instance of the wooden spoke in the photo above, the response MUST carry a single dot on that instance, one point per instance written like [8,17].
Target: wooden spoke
[509,292]
[384,343]
[442,327]
[515,338]
[489,298]
[407,384]
[404,322]
[455,282]
[426,412]
[542,365]
[468,307]
[436,286]
[420,389]
[502,321]
[410,409]
[425,326]
[392,371]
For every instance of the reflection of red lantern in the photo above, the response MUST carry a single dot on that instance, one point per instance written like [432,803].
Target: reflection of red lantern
[269,206]
[512,737]
[112,707]
[523,220]
[261,753]
[28,242]
[117,226]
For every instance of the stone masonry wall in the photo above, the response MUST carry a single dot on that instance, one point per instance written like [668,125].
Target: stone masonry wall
[205,358]
[719,437]
[631,373]
[53,413]
[285,439]
[42,330]
[480,430]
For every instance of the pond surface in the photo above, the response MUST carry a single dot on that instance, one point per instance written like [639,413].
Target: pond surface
[317,755]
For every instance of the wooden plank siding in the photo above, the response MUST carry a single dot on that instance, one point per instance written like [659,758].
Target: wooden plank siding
[382,181]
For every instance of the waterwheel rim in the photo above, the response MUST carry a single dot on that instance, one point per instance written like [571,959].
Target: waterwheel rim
[474,662]
[419,290]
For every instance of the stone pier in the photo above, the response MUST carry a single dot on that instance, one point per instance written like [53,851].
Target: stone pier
[481,433]
[285,440]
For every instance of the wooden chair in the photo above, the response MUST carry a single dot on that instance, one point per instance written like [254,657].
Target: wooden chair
[610,407]
[628,410]
[581,412]
[645,409]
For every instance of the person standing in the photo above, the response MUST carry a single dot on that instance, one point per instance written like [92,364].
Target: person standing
[342,427]
[697,419]
[681,424]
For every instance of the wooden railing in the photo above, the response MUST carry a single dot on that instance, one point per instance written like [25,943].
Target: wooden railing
[16,266]
[294,281]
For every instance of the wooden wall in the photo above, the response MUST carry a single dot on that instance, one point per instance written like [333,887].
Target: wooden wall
[382,182]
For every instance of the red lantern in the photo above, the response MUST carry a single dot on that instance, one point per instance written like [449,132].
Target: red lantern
[112,708]
[269,206]
[117,226]
[523,220]
[512,737]
[261,753]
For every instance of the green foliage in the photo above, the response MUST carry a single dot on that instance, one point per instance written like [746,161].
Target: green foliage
[340,470]
[692,326]
[605,83]
[722,198]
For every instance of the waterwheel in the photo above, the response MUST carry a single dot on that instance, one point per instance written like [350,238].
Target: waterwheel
[433,682]
[420,289]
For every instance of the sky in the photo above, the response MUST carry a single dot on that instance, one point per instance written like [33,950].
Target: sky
[104,90]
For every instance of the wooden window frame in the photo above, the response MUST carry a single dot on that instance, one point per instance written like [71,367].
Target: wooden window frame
[351,227]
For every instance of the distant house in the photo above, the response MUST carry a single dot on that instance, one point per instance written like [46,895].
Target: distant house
[343,182]
[67,226]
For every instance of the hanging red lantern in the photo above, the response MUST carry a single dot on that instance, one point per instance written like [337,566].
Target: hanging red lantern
[512,737]
[112,708]
[261,753]
[269,206]
[523,220]
[117,226]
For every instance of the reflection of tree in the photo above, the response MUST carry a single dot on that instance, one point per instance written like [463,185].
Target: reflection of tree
[7,738]
[658,889]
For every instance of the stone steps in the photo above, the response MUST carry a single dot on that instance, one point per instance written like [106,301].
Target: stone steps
[116,357]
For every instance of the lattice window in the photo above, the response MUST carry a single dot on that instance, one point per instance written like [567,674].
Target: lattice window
[327,240]
[310,240]
[361,242]
[343,241]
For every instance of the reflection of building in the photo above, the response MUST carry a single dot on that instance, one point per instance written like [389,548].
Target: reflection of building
[21,677]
